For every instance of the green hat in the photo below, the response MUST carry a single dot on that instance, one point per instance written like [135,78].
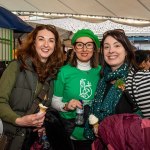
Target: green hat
[85,33]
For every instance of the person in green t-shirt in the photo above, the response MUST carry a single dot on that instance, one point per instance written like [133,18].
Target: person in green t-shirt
[77,81]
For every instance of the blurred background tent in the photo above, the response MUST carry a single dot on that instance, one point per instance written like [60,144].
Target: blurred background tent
[11,29]
[125,11]
[9,20]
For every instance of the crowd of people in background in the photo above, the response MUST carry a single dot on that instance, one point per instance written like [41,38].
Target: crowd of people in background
[103,78]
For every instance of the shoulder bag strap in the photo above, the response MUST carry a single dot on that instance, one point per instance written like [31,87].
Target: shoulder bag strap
[41,98]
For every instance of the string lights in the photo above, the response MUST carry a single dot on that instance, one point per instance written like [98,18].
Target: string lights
[68,22]
[73,25]
[80,16]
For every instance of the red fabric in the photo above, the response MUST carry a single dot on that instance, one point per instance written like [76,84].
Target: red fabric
[110,147]
[36,146]
[146,128]
[120,132]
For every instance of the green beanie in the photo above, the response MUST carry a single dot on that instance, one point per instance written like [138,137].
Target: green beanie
[85,33]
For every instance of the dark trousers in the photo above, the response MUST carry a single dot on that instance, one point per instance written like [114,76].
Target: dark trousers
[82,145]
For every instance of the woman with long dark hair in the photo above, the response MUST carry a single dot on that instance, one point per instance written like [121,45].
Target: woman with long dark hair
[117,60]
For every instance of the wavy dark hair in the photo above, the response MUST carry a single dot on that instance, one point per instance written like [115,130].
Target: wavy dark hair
[27,51]
[142,56]
[120,36]
[94,61]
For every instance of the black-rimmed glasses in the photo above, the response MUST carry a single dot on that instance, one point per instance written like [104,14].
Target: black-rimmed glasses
[89,46]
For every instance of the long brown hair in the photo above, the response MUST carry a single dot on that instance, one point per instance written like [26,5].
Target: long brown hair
[27,51]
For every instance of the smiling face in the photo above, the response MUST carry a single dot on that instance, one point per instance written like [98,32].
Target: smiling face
[44,44]
[114,53]
[84,54]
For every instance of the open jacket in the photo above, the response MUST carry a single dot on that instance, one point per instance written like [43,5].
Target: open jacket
[18,89]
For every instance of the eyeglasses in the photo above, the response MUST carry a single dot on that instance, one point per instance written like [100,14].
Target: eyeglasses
[115,30]
[89,46]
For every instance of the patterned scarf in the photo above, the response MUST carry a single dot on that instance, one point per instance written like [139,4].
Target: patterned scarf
[105,106]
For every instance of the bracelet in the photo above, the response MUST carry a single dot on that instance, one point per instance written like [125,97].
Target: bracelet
[66,107]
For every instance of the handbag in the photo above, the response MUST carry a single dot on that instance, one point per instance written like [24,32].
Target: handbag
[56,131]
[36,145]
[70,123]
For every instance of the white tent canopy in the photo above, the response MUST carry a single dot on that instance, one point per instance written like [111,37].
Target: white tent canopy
[98,28]
[135,9]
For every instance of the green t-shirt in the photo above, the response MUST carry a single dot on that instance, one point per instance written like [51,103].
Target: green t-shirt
[72,83]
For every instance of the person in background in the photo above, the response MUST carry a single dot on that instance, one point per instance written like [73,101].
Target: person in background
[77,81]
[143,59]
[117,58]
[64,53]
[38,60]
[69,55]
[139,82]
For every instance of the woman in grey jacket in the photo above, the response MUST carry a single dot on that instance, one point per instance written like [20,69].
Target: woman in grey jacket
[38,60]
